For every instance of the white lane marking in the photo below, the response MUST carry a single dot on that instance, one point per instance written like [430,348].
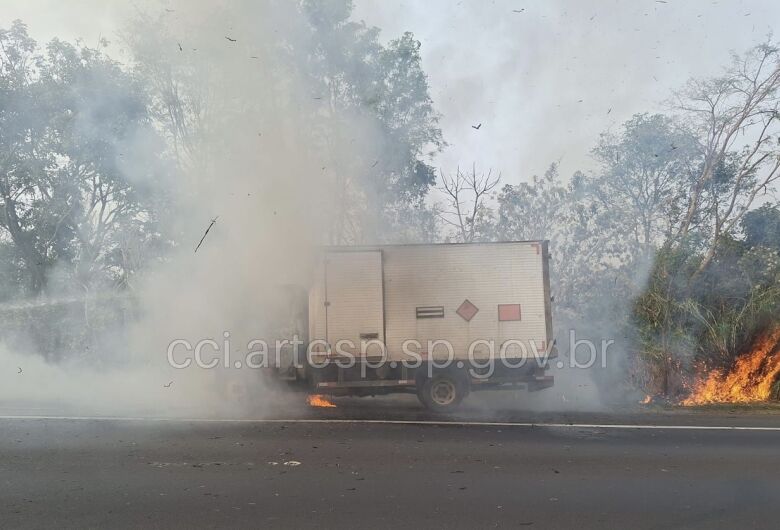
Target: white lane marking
[401,422]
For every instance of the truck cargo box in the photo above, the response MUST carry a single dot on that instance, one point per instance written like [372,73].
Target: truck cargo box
[463,294]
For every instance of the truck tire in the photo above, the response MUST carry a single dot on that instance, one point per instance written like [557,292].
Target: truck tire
[443,392]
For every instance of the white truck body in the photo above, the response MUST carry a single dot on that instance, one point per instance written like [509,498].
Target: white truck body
[397,293]
[437,320]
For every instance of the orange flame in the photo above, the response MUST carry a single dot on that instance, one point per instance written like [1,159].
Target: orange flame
[750,380]
[648,399]
[318,400]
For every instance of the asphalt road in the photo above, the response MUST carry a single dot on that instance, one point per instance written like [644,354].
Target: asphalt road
[81,473]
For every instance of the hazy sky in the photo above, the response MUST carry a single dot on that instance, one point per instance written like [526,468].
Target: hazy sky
[543,77]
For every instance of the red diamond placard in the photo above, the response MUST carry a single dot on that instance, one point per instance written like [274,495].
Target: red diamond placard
[467,310]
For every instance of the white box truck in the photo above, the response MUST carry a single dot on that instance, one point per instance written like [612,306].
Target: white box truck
[438,320]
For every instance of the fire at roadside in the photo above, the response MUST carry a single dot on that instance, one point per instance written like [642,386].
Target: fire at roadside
[755,377]
[319,401]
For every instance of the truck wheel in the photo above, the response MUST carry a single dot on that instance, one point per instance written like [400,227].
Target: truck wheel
[442,392]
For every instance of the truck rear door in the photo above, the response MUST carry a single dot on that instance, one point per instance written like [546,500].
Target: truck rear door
[354,299]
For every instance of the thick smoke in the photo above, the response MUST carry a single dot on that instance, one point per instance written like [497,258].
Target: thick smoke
[258,153]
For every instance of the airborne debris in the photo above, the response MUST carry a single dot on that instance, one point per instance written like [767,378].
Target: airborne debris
[206,233]
[292,463]
[477,126]
[231,40]
[180,48]
[20,370]
[168,385]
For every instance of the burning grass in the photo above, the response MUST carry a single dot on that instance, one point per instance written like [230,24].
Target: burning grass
[318,400]
[753,378]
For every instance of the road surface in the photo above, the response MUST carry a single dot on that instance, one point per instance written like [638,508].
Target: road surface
[326,468]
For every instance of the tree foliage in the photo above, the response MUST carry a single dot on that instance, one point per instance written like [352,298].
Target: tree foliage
[352,82]
[735,117]
[72,122]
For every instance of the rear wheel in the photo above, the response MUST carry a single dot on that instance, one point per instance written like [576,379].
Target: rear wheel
[442,392]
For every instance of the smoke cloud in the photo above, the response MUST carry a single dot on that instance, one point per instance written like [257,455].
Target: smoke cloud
[258,165]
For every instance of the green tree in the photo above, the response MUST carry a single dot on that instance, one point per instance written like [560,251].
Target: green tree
[645,172]
[75,161]
[762,227]
[735,119]
[351,85]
